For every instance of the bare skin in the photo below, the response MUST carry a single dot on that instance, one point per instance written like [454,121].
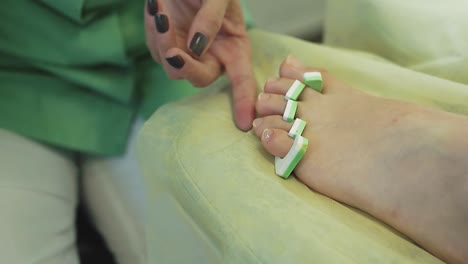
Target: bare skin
[227,49]
[405,164]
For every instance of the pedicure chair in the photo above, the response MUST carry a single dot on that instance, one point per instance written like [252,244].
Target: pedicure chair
[212,189]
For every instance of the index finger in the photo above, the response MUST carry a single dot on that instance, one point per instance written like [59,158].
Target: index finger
[239,69]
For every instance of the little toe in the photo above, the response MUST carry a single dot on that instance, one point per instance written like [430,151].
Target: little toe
[273,121]
[276,141]
[292,68]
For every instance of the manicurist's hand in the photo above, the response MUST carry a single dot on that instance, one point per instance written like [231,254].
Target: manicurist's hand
[197,40]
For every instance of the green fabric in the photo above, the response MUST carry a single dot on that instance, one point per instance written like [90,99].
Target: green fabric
[76,73]
[249,21]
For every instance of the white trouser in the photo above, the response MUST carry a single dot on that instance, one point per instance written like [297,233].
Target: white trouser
[39,194]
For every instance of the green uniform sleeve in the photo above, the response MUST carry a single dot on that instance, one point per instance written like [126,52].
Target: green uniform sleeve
[249,22]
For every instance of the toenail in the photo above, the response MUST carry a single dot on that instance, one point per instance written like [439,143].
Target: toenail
[263,96]
[267,134]
[257,122]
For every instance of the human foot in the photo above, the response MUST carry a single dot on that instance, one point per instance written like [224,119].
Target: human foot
[383,156]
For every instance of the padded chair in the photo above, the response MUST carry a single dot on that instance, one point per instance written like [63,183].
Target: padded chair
[213,194]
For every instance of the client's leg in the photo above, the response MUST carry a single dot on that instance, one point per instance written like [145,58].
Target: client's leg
[38,199]
[404,164]
[113,191]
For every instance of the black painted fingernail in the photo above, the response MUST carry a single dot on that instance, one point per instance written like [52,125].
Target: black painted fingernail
[152,7]
[176,61]
[198,43]
[162,24]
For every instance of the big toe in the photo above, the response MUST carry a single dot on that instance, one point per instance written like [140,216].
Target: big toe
[276,141]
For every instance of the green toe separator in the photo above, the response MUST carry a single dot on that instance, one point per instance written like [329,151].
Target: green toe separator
[285,166]
[290,113]
[314,80]
[316,85]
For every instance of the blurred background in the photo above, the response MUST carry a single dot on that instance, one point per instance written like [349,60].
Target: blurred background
[299,18]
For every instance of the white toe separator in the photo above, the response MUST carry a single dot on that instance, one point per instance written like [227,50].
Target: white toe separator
[285,166]
[294,91]
[290,111]
[297,128]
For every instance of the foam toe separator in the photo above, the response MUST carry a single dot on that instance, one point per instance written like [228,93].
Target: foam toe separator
[285,166]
